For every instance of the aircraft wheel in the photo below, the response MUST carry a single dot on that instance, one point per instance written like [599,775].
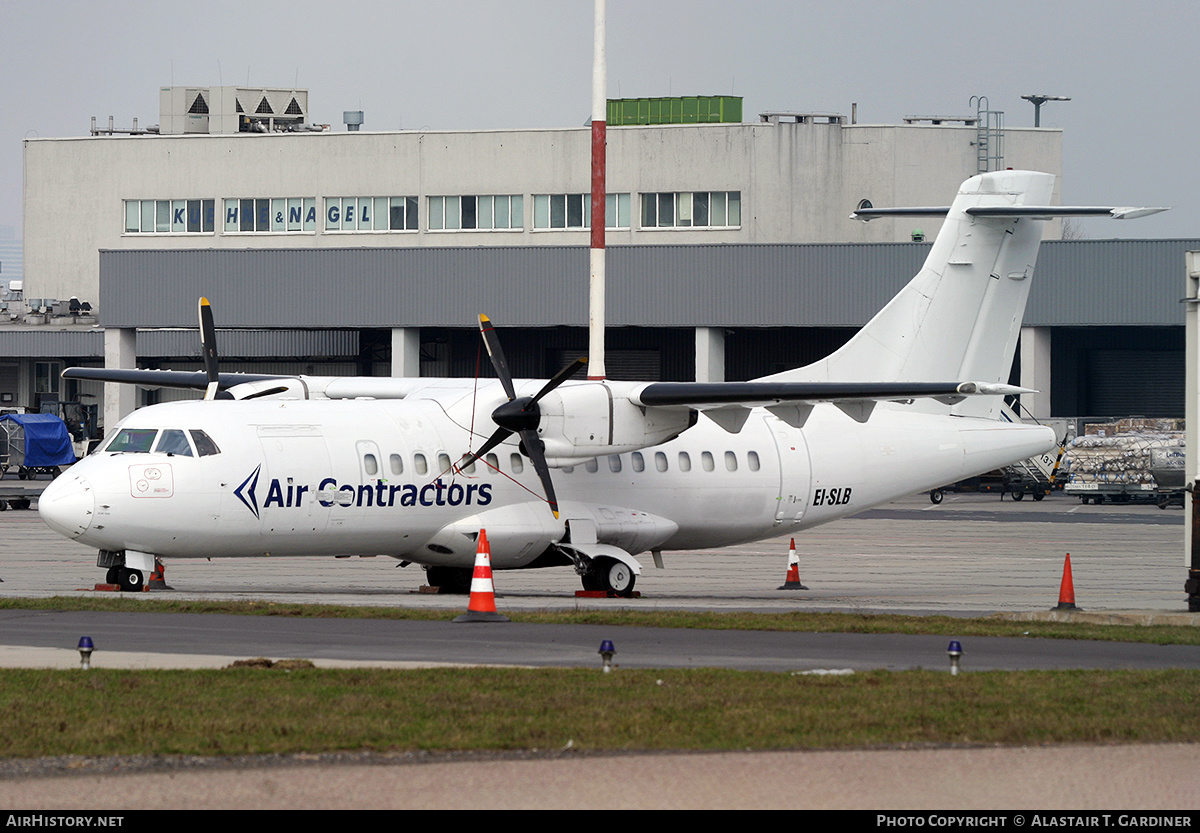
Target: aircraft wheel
[935,496]
[450,579]
[113,576]
[617,577]
[131,579]
[593,581]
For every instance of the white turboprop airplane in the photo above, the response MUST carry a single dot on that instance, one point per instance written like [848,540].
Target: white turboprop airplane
[382,466]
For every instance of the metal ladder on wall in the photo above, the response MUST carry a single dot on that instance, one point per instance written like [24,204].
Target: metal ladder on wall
[989,136]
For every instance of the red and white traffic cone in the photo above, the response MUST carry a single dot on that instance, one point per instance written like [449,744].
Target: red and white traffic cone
[482,606]
[1066,591]
[158,578]
[793,572]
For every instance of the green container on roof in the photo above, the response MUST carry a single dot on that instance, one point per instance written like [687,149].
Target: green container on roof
[694,109]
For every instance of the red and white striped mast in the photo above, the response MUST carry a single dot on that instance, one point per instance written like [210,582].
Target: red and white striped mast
[596,368]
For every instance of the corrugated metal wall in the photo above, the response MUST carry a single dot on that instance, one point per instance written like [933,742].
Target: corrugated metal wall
[1088,282]
[291,344]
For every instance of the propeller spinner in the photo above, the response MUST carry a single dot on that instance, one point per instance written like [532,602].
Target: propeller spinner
[520,415]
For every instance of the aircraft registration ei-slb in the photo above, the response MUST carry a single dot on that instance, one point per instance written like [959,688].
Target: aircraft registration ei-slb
[302,466]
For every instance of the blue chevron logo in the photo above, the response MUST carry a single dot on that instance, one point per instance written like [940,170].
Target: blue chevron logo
[246,490]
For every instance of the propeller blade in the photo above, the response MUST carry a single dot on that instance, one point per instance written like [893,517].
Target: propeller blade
[208,343]
[534,448]
[560,377]
[496,352]
[500,436]
[267,392]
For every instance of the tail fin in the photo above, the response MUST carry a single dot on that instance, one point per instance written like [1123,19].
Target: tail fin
[959,318]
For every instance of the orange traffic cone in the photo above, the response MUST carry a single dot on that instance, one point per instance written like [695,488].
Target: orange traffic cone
[793,572]
[158,578]
[1066,591]
[482,606]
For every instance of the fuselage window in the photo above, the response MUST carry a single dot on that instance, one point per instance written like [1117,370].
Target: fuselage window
[205,447]
[638,463]
[469,468]
[133,439]
[419,464]
[397,463]
[516,463]
[685,461]
[660,461]
[730,461]
[443,464]
[492,461]
[371,465]
[592,466]
[706,460]
[752,460]
[614,463]
[173,441]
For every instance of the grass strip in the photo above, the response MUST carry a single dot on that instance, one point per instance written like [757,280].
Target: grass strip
[790,621]
[242,711]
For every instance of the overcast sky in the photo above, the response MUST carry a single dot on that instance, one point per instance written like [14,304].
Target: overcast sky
[1131,129]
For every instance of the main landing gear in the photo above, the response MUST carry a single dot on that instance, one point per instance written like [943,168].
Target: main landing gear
[608,575]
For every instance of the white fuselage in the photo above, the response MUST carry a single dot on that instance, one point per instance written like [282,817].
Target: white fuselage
[367,477]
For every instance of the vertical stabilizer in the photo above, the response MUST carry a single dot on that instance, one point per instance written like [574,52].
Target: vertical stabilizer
[959,318]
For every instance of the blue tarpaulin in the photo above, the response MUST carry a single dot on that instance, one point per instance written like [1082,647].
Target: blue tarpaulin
[46,441]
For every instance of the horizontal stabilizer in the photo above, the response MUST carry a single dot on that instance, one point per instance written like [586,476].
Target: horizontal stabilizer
[1037,212]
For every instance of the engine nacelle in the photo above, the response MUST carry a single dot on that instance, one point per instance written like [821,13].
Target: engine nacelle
[589,419]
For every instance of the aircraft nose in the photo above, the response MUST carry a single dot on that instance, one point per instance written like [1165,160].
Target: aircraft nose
[68,505]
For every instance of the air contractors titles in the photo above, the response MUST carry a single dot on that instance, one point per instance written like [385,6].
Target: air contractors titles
[329,493]
[1034,820]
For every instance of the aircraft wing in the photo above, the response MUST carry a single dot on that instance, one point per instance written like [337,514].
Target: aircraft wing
[192,380]
[755,394]
[729,403]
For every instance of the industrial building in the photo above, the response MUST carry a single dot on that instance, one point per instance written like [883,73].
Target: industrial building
[731,254]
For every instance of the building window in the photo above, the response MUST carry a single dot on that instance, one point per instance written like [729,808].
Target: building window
[170,216]
[371,214]
[574,211]
[45,378]
[271,215]
[692,209]
[489,212]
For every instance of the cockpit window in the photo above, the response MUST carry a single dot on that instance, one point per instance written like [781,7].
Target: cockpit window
[133,439]
[205,447]
[173,441]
